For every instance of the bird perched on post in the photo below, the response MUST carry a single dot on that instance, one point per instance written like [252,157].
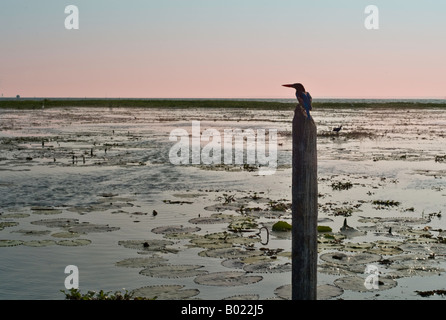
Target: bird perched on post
[337,129]
[302,96]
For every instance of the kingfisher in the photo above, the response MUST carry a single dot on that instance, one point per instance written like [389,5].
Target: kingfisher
[302,96]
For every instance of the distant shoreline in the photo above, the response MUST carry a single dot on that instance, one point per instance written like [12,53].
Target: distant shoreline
[265,104]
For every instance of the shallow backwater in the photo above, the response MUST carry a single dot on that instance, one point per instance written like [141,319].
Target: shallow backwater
[110,170]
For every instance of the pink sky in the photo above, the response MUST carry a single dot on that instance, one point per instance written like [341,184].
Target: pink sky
[215,51]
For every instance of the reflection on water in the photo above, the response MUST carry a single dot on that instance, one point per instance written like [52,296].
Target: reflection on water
[111,166]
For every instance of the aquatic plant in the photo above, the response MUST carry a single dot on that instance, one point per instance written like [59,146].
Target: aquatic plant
[165,292]
[173,271]
[429,293]
[281,226]
[75,294]
[227,279]
[385,203]
[341,185]
[323,229]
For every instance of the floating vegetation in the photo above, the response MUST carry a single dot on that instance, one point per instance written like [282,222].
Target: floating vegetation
[267,267]
[32,232]
[177,202]
[381,204]
[148,245]
[341,185]
[323,292]
[243,297]
[8,224]
[141,262]
[86,227]
[386,247]
[221,240]
[343,211]
[229,253]
[324,229]
[10,243]
[349,259]
[39,243]
[281,226]
[279,206]
[429,293]
[173,271]
[356,283]
[223,207]
[165,292]
[352,246]
[74,242]
[214,218]
[411,268]
[75,294]
[227,279]
[66,235]
[174,229]
[233,263]
[394,220]
[334,269]
[242,224]
[13,215]
[56,223]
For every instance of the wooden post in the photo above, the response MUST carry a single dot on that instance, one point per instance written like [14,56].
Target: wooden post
[304,208]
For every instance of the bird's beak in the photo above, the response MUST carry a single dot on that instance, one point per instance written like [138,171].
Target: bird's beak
[288,85]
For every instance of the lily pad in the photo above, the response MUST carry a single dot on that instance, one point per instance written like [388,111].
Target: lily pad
[10,243]
[165,292]
[334,269]
[363,246]
[74,242]
[233,263]
[86,227]
[39,243]
[244,297]
[229,253]
[173,271]
[56,223]
[267,267]
[213,219]
[141,262]
[175,229]
[8,224]
[66,235]
[356,283]
[328,291]
[323,292]
[221,240]
[14,215]
[350,259]
[148,245]
[32,232]
[227,279]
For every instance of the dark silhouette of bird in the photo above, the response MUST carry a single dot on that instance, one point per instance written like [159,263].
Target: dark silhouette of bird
[337,129]
[302,96]
[154,212]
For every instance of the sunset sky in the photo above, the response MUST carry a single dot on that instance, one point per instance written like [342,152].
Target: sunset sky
[222,49]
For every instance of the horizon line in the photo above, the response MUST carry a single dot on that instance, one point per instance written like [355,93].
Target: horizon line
[216,98]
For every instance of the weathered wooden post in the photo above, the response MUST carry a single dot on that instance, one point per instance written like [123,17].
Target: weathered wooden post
[304,208]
